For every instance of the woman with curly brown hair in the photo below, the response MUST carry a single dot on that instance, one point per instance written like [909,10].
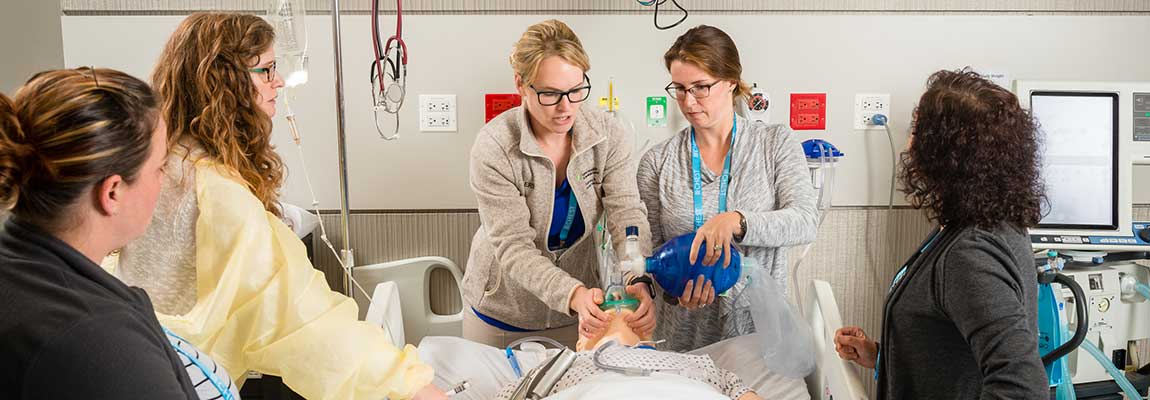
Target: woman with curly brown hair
[968,295]
[224,271]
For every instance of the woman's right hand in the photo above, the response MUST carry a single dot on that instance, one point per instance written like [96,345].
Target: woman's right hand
[592,321]
[852,344]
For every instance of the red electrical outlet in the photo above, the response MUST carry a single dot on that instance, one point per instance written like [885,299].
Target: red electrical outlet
[496,104]
[808,111]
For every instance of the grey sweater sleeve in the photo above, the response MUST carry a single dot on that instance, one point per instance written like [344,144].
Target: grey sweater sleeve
[505,215]
[795,221]
[980,290]
[648,178]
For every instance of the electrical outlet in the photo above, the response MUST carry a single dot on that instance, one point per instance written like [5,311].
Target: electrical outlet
[867,105]
[496,104]
[437,113]
[808,119]
[438,122]
[808,111]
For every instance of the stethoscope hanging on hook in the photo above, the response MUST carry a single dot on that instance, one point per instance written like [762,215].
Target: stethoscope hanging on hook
[388,72]
[657,3]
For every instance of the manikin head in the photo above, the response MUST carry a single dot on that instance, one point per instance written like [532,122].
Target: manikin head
[618,308]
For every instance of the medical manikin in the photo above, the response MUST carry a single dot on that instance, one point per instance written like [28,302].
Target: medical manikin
[621,354]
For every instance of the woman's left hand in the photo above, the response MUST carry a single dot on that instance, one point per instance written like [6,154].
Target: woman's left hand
[642,321]
[717,235]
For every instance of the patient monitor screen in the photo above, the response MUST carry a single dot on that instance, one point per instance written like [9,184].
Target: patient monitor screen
[1079,142]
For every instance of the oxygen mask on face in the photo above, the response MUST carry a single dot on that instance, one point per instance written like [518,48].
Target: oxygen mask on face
[617,299]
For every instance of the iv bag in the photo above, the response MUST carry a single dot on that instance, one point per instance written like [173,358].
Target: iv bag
[287,17]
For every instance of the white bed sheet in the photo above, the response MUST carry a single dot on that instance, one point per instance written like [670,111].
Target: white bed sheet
[486,368]
[657,386]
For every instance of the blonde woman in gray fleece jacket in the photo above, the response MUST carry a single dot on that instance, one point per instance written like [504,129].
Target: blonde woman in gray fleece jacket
[544,174]
[766,204]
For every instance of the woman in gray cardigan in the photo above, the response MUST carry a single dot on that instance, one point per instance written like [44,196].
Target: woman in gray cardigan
[968,296]
[768,204]
[544,174]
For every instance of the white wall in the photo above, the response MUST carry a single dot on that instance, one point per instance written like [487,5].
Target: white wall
[467,55]
[29,40]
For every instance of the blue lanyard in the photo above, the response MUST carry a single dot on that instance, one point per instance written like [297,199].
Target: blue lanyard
[697,176]
[227,394]
[914,257]
[572,206]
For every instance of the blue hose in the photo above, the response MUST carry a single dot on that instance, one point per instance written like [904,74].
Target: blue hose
[1143,289]
[1119,376]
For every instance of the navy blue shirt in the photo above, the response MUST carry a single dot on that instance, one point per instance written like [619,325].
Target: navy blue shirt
[70,330]
[559,218]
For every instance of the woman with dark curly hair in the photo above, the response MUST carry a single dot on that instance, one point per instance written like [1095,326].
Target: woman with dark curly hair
[969,294]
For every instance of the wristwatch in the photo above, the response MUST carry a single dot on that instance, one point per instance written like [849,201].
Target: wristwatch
[645,279]
[742,226]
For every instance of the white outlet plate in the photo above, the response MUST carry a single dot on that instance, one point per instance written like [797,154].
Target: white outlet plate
[867,105]
[437,113]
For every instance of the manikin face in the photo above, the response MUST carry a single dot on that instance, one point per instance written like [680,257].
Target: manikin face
[618,330]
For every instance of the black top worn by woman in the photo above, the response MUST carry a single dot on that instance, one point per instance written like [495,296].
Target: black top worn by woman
[70,330]
[962,321]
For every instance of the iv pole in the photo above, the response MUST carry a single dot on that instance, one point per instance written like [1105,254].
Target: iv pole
[341,135]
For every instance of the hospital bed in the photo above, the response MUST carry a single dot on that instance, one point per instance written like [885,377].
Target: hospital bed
[401,293]
[401,304]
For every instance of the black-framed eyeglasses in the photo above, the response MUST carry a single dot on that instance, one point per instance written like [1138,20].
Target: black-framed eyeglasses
[269,72]
[576,95]
[678,92]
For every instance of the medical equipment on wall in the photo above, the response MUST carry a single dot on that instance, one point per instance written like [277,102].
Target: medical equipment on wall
[758,105]
[671,266]
[388,70]
[610,105]
[657,4]
[822,157]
